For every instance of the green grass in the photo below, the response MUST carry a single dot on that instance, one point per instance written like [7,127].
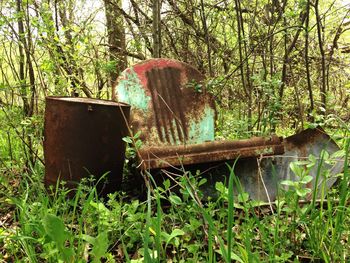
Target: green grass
[179,225]
[54,228]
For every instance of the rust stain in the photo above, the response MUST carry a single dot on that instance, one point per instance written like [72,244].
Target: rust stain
[167,101]
[162,157]
[84,136]
[175,112]
[305,137]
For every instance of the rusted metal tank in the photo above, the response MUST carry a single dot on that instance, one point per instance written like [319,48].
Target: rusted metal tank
[83,137]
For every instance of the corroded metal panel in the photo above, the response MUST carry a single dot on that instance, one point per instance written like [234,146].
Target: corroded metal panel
[261,177]
[311,142]
[169,104]
[84,136]
[162,157]
[176,117]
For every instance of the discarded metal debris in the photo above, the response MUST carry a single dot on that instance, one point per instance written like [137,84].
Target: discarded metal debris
[261,177]
[162,157]
[176,117]
[84,137]
[169,104]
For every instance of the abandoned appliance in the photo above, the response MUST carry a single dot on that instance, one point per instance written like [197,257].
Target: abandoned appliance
[175,115]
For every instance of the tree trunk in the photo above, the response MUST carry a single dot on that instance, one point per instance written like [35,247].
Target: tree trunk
[286,56]
[244,64]
[156,29]
[21,44]
[116,39]
[204,21]
[307,63]
[26,64]
[323,58]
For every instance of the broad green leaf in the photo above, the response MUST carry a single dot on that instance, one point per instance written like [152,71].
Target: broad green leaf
[175,233]
[301,163]
[127,139]
[138,144]
[338,154]
[312,158]
[324,154]
[288,183]
[166,184]
[303,192]
[238,205]
[175,199]
[307,179]
[243,197]
[100,247]
[137,135]
[100,207]
[202,181]
[88,238]
[219,186]
[297,170]
[55,229]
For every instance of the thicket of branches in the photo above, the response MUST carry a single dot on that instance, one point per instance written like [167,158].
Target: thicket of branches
[270,62]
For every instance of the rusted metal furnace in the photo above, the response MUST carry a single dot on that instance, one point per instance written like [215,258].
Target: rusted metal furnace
[176,117]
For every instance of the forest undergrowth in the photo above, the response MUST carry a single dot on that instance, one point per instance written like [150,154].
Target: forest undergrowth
[172,222]
[270,66]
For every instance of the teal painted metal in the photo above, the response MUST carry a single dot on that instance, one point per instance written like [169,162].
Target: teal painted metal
[131,91]
[177,124]
[165,106]
[202,130]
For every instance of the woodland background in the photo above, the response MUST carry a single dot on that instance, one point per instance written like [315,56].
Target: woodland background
[274,66]
[268,62]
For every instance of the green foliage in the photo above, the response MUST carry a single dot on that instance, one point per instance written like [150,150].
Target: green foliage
[56,232]
[133,145]
[100,245]
[69,52]
[231,227]
[301,169]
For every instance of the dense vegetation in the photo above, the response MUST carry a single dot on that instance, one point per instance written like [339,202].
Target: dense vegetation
[273,66]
